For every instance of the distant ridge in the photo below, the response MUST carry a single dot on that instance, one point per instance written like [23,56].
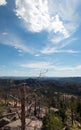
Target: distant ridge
[70,85]
[67,79]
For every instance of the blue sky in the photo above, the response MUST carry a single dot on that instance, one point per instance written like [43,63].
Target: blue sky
[40,36]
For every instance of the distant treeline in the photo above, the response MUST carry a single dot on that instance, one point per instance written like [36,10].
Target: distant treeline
[65,85]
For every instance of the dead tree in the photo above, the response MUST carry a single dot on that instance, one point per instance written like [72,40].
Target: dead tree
[23,107]
[35,107]
[72,116]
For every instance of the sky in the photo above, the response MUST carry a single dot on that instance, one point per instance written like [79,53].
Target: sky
[40,38]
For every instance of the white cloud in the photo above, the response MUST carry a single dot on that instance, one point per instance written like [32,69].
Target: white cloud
[35,69]
[59,18]
[49,50]
[37,55]
[38,17]
[20,51]
[4,33]
[11,39]
[68,11]
[78,67]
[68,51]
[42,67]
[57,39]
[37,65]
[3,2]
[57,26]
[58,47]
[54,50]
[7,72]
[49,66]
[53,70]
[34,13]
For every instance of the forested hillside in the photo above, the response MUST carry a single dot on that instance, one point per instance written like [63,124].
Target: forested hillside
[65,85]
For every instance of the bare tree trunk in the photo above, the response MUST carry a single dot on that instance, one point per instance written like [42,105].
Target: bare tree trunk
[39,109]
[35,108]
[23,107]
[72,115]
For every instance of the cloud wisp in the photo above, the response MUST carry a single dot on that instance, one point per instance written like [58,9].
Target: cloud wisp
[50,50]
[59,47]
[11,39]
[53,70]
[37,65]
[47,65]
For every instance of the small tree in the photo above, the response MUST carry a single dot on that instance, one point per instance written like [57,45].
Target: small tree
[78,109]
[73,106]
[51,122]
[62,111]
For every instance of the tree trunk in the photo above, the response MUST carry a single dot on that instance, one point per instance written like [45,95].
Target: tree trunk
[23,107]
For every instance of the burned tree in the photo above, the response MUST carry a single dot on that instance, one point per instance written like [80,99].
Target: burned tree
[23,106]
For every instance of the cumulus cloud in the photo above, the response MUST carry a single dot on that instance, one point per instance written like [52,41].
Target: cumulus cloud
[54,15]
[68,11]
[58,18]
[37,15]
[3,2]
